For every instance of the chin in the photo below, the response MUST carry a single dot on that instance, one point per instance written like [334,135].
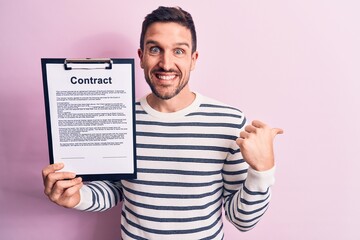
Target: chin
[165,96]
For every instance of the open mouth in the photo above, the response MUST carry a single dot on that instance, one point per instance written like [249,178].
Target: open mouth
[165,77]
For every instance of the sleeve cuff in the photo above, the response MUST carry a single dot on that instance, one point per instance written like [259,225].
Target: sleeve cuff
[260,181]
[85,199]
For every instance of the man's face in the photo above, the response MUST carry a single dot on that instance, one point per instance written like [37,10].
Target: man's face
[167,59]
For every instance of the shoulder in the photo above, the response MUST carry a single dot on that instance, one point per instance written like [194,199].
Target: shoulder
[222,114]
[214,105]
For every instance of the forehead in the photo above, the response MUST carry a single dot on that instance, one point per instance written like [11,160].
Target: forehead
[169,33]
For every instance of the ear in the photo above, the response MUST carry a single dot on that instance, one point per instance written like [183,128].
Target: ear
[141,54]
[194,57]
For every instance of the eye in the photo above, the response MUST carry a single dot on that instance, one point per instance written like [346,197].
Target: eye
[154,50]
[179,51]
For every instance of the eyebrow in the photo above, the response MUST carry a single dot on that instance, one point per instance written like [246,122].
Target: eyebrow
[157,43]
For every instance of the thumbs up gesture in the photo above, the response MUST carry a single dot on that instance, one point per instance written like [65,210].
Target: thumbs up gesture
[256,145]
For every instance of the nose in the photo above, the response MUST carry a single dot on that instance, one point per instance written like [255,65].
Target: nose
[166,61]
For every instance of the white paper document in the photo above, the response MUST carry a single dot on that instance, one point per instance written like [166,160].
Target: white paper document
[90,116]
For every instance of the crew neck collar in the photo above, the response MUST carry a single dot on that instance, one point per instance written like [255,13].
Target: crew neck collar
[173,115]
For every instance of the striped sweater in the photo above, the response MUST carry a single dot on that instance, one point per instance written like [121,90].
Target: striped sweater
[189,171]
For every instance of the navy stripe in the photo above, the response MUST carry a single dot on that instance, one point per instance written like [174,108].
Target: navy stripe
[229,186]
[214,114]
[255,193]
[233,182]
[228,199]
[186,135]
[175,184]
[229,192]
[173,208]
[219,106]
[234,162]
[250,212]
[172,196]
[102,192]
[129,233]
[192,124]
[253,219]
[215,234]
[179,172]
[244,228]
[175,159]
[115,191]
[94,200]
[188,147]
[174,220]
[235,172]
[172,231]
[237,220]
[95,197]
[254,202]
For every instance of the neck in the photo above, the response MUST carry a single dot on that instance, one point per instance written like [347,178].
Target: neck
[177,103]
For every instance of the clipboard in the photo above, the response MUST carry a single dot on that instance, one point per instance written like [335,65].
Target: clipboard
[90,116]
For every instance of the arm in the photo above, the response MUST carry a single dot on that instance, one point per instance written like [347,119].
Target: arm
[99,196]
[247,189]
[247,194]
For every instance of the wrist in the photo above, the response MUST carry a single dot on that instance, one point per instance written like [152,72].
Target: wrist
[262,166]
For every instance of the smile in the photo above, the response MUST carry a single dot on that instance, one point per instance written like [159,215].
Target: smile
[165,77]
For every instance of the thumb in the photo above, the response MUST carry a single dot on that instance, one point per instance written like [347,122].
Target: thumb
[276,131]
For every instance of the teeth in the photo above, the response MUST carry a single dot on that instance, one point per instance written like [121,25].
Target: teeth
[166,77]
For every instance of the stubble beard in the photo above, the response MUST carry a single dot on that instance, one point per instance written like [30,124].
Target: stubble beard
[167,95]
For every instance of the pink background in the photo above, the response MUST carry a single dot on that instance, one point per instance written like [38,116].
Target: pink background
[294,64]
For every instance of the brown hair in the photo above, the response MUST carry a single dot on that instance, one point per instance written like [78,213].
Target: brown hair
[169,14]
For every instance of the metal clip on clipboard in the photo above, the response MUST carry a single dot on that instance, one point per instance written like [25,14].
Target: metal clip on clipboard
[88,63]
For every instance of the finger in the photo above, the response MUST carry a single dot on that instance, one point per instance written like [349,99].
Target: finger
[64,184]
[239,141]
[53,178]
[71,197]
[73,190]
[51,168]
[61,186]
[250,129]
[276,131]
[244,134]
[258,124]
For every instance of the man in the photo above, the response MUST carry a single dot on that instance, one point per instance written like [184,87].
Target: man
[194,155]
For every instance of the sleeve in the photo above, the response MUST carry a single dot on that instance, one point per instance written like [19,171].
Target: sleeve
[247,192]
[99,196]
